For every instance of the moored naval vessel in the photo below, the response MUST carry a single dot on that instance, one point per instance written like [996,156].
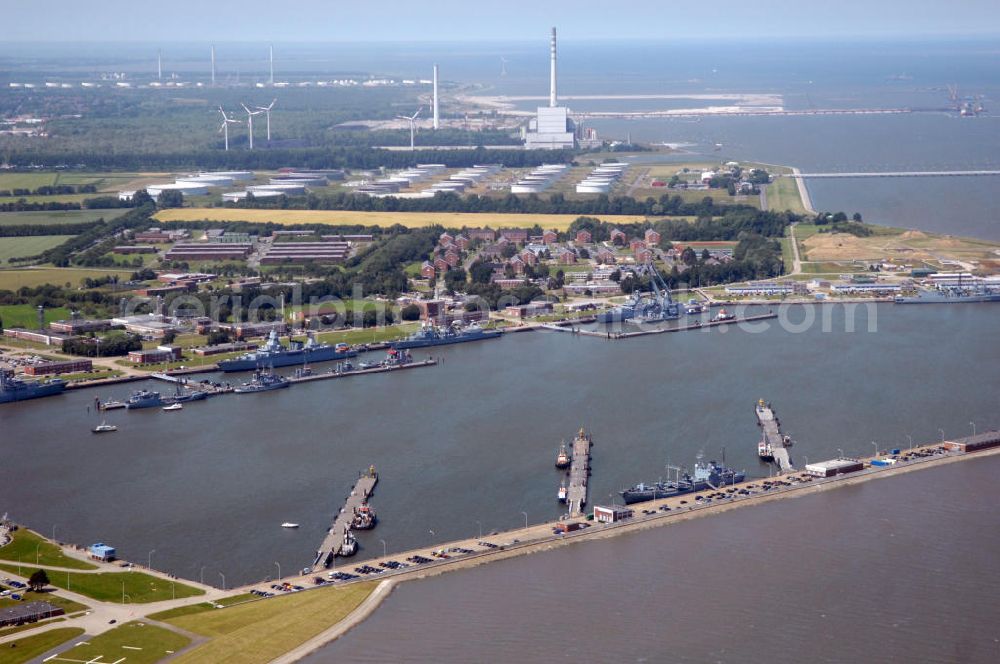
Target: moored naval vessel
[15,389]
[430,335]
[273,354]
[706,476]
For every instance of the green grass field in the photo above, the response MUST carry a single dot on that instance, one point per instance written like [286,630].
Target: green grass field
[368,335]
[783,194]
[14,278]
[25,544]
[132,643]
[30,647]
[25,315]
[58,217]
[258,632]
[139,588]
[26,180]
[16,247]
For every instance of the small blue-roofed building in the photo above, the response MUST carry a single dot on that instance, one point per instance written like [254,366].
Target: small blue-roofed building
[102,551]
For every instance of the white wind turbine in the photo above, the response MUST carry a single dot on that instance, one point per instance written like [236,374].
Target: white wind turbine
[267,111]
[503,65]
[412,119]
[250,115]
[224,129]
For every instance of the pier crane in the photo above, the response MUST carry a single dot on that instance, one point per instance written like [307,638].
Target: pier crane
[661,306]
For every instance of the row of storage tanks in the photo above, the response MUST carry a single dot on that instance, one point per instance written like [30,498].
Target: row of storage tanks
[394,184]
[287,182]
[602,178]
[539,179]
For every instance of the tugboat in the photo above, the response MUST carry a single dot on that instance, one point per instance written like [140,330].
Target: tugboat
[349,546]
[364,517]
[144,399]
[562,459]
[104,427]
[263,381]
[724,315]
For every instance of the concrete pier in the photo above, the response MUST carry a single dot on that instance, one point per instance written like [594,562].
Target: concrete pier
[360,493]
[579,472]
[773,445]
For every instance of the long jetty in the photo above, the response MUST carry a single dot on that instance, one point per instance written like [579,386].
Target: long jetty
[579,473]
[334,539]
[893,174]
[776,444]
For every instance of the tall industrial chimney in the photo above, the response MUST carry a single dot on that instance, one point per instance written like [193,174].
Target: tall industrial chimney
[437,121]
[552,83]
[213,64]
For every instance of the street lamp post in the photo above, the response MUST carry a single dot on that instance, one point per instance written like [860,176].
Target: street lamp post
[53,532]
[123,591]
[173,590]
[201,575]
[525,519]
[36,552]
[384,548]
[973,428]
[911,441]
[942,434]
[223,580]
[149,559]
[480,529]
[876,447]
[279,570]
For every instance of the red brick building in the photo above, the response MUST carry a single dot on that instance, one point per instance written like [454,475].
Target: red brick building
[583,237]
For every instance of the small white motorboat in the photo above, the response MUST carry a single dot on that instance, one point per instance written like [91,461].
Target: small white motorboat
[174,406]
[104,427]
[288,524]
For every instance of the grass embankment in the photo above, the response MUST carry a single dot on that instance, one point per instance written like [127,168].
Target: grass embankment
[30,647]
[260,631]
[139,588]
[134,642]
[193,609]
[25,544]
[12,279]
[783,194]
[409,219]
[30,245]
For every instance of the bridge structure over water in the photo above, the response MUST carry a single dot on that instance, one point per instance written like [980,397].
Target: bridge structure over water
[891,174]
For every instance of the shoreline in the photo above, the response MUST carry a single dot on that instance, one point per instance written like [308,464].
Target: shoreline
[382,592]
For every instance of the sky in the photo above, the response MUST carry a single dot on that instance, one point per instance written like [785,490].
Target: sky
[468,20]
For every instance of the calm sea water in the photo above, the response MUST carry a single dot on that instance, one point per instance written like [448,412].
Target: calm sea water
[472,441]
[808,74]
[896,570]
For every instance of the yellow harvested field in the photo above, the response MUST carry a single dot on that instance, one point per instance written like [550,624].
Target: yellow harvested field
[559,222]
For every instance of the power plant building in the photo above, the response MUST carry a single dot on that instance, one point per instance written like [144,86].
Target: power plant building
[552,128]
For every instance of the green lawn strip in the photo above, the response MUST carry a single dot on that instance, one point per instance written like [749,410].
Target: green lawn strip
[26,544]
[260,631]
[68,605]
[30,647]
[200,608]
[140,588]
[56,217]
[21,628]
[368,335]
[134,642]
